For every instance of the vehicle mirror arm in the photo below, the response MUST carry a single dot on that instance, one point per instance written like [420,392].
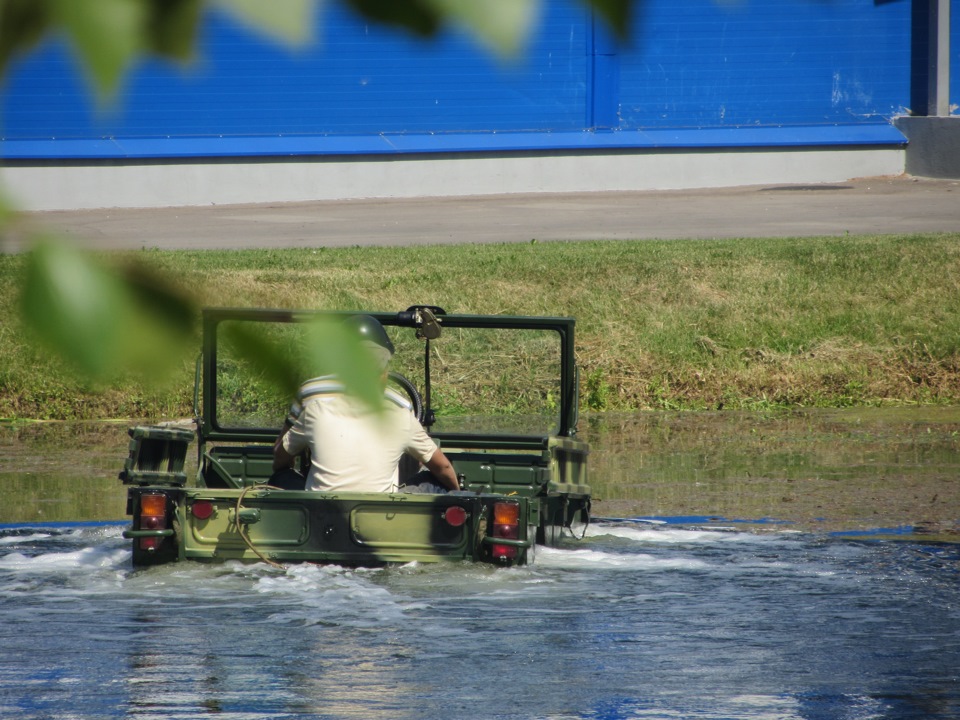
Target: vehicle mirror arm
[424,319]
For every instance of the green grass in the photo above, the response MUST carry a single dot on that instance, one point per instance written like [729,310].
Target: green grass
[667,324]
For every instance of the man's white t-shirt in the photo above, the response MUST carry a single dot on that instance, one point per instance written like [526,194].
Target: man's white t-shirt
[352,448]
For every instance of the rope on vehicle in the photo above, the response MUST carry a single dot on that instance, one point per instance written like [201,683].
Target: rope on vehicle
[242,532]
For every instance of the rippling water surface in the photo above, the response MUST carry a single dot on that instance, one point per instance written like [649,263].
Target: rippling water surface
[639,620]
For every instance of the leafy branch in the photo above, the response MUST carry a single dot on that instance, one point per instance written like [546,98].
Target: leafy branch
[109,320]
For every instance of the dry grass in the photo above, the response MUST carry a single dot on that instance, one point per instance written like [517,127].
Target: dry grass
[667,324]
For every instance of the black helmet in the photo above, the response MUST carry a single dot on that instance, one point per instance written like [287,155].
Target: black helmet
[369,328]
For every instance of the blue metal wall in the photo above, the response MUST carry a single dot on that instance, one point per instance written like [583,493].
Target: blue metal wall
[697,72]
[702,63]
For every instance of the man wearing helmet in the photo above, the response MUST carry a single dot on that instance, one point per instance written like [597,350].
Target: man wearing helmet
[352,447]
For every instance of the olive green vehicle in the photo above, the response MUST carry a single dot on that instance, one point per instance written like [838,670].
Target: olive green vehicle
[497,393]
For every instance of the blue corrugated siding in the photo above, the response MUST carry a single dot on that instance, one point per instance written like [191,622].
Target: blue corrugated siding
[695,66]
[701,63]
[359,79]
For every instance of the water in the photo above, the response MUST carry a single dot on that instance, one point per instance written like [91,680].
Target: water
[639,620]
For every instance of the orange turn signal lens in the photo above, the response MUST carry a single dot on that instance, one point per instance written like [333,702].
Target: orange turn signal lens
[506,525]
[153,505]
[153,516]
[506,513]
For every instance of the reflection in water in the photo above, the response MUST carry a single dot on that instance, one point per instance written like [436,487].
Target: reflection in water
[850,469]
[838,469]
[251,640]
[56,472]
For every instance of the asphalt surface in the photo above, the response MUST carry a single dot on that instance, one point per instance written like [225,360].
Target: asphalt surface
[871,205]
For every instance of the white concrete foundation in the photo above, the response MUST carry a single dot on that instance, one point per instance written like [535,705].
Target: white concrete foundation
[151,184]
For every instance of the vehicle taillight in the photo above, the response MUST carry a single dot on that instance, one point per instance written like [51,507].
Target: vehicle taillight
[153,516]
[506,525]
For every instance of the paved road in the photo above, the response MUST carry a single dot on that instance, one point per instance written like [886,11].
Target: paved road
[874,205]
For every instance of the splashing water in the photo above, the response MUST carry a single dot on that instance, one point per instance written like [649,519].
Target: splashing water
[639,620]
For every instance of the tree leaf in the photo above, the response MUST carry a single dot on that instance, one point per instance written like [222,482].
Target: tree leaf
[105,323]
[501,25]
[22,24]
[73,304]
[108,34]
[329,349]
[417,16]
[275,362]
[617,14]
[333,349]
[289,20]
[155,297]
[171,28]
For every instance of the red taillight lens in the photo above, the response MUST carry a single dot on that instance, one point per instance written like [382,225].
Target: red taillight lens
[455,516]
[153,516]
[202,509]
[506,525]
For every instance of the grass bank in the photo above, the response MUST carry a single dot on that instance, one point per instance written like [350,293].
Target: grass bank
[742,323]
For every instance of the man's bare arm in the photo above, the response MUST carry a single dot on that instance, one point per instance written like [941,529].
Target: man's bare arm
[281,458]
[442,470]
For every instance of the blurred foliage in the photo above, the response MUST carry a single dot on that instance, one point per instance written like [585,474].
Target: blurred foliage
[328,348]
[111,35]
[108,320]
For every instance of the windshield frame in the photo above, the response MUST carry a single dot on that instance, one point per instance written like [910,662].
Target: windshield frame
[210,429]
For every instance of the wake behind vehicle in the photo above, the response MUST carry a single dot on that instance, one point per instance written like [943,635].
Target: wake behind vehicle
[497,393]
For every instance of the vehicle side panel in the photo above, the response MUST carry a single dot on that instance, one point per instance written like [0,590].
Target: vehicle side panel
[352,529]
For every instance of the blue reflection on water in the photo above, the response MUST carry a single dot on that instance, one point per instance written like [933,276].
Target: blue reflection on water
[639,620]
